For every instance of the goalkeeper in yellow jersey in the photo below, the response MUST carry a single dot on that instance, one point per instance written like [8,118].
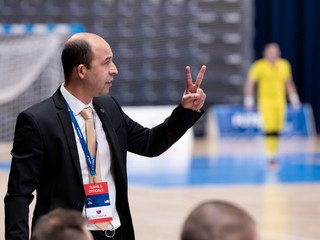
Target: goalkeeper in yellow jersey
[272,74]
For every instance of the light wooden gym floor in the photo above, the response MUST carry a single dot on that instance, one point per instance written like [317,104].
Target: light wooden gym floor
[285,201]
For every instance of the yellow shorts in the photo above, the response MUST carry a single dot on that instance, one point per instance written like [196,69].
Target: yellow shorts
[273,115]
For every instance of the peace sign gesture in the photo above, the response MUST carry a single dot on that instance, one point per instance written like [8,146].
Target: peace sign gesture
[193,97]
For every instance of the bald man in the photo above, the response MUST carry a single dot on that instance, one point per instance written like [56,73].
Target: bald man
[219,220]
[50,154]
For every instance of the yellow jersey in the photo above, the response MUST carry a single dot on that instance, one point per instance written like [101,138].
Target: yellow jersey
[271,78]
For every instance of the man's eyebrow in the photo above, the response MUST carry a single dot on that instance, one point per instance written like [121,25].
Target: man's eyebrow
[108,58]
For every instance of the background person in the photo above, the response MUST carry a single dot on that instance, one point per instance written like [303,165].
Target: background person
[272,74]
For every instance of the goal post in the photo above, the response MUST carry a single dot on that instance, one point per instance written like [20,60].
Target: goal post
[30,69]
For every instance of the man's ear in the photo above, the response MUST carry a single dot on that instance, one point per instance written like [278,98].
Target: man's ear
[81,70]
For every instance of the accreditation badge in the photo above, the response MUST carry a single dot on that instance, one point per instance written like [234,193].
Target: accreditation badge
[98,208]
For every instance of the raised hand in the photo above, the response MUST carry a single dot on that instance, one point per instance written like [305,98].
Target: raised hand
[193,97]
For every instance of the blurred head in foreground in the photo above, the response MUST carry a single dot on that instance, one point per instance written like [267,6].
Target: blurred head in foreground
[219,220]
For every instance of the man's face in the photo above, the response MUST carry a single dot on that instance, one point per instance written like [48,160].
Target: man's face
[102,70]
[272,52]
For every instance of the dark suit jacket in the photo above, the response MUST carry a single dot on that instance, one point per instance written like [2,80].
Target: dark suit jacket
[45,158]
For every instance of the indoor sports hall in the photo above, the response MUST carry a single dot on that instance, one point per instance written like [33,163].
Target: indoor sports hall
[223,157]
[283,200]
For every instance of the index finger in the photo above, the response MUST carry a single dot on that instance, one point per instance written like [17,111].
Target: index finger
[200,76]
[188,76]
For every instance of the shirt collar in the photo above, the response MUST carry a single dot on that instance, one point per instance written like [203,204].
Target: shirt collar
[75,104]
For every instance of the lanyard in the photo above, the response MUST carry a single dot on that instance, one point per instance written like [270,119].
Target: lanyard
[91,161]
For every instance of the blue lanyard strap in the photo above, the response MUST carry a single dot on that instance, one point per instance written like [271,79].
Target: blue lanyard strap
[91,161]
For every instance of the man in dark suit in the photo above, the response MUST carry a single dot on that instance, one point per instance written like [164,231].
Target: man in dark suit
[49,152]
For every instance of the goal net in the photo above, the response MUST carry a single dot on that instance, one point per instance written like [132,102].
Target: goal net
[30,71]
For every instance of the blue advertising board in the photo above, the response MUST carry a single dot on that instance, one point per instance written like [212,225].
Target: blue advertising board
[235,121]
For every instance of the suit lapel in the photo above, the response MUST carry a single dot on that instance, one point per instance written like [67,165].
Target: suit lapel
[111,137]
[65,121]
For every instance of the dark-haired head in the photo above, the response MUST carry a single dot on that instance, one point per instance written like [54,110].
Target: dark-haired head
[75,52]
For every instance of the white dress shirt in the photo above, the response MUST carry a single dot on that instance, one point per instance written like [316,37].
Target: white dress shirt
[103,147]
